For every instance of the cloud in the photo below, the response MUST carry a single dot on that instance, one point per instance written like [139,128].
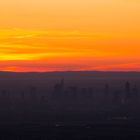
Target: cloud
[69,50]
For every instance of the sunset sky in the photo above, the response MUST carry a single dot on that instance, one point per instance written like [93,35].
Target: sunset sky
[65,35]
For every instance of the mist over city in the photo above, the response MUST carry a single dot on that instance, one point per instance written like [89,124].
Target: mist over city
[103,103]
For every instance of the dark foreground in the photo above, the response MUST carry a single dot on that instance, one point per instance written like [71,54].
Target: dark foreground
[87,132]
[114,130]
[70,106]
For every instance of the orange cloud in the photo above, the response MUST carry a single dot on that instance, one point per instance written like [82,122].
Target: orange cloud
[23,50]
[40,35]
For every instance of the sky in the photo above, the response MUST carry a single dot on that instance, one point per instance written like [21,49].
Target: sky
[69,35]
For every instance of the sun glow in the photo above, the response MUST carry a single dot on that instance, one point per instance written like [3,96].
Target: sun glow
[58,35]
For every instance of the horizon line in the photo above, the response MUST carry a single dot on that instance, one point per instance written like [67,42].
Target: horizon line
[127,71]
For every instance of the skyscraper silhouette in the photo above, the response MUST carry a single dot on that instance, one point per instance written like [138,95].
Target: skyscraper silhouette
[127,87]
[127,91]
[106,89]
[32,92]
[58,89]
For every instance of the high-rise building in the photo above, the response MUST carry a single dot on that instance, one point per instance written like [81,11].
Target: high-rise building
[127,88]
[127,91]
[106,89]
[58,89]
[127,94]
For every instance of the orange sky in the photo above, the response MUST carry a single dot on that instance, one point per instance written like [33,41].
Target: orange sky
[59,35]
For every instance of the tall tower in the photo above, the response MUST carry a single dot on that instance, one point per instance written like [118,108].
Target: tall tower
[32,91]
[62,85]
[127,87]
[106,89]
[58,89]
[127,91]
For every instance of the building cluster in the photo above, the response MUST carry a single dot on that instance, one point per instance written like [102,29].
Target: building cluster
[72,98]
[87,99]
